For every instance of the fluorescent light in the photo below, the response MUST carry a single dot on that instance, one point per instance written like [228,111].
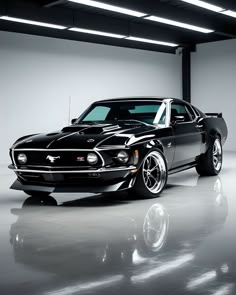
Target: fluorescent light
[151,41]
[204,278]
[229,13]
[211,7]
[87,286]
[225,290]
[165,268]
[31,22]
[205,5]
[178,24]
[80,30]
[110,7]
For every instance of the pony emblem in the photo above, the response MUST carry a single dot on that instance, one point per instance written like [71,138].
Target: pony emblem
[52,159]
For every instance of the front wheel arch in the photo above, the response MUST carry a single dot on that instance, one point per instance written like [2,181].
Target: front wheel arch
[152,175]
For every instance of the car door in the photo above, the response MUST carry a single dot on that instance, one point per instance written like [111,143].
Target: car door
[188,138]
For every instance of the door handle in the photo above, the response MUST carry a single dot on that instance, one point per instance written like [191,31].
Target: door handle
[199,126]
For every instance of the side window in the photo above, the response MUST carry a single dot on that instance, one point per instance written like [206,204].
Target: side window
[180,110]
[163,117]
[191,112]
[99,113]
[196,111]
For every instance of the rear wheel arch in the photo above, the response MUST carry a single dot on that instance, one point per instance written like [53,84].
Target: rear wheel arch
[210,163]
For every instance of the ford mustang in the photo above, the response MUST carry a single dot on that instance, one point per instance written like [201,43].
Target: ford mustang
[120,144]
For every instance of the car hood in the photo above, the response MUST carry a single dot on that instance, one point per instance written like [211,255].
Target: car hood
[85,137]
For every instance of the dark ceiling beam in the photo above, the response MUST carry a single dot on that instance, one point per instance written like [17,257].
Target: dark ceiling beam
[68,35]
[75,18]
[54,3]
[227,4]
[144,29]
[183,12]
[71,15]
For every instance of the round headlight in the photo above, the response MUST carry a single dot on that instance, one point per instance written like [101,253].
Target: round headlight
[22,159]
[92,158]
[123,157]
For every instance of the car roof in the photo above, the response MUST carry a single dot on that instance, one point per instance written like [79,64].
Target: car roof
[141,98]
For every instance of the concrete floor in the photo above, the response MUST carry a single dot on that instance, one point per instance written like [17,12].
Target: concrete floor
[181,243]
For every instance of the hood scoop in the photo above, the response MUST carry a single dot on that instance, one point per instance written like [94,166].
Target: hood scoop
[90,130]
[73,128]
[111,128]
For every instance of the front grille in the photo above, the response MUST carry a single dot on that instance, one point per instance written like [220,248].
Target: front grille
[61,158]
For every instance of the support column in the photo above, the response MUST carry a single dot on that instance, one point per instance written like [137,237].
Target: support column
[186,74]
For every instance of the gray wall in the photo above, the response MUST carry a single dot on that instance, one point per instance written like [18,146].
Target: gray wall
[39,74]
[214,82]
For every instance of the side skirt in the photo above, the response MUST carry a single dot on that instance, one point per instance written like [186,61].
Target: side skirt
[182,168]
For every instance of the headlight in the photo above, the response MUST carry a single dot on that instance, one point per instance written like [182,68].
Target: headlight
[92,158]
[123,157]
[22,159]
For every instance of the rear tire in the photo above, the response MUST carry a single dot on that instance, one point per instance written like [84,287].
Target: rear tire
[210,163]
[152,176]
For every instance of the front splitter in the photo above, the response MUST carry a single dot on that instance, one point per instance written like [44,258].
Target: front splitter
[122,185]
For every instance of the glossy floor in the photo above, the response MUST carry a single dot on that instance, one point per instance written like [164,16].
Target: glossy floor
[181,243]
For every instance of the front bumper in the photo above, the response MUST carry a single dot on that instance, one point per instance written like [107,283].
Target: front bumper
[96,180]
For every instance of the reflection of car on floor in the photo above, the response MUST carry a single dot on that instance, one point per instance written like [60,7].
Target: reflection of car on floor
[133,241]
[121,144]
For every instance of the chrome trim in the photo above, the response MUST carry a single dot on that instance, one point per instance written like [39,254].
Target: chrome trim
[54,140]
[115,147]
[100,170]
[56,167]
[103,162]
[13,158]
[168,111]
[52,150]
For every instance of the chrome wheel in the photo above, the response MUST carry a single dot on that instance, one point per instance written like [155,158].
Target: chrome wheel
[154,172]
[217,155]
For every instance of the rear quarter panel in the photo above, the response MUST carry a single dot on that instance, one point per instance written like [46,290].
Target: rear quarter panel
[215,126]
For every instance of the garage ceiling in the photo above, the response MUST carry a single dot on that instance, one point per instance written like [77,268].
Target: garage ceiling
[219,24]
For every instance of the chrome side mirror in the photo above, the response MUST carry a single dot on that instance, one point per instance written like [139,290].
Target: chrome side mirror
[178,119]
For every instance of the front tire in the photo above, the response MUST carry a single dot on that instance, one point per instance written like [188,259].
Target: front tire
[210,163]
[152,177]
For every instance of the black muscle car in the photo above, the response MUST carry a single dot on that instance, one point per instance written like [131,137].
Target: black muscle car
[121,144]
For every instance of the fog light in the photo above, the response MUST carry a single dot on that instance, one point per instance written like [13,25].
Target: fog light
[22,159]
[123,157]
[92,158]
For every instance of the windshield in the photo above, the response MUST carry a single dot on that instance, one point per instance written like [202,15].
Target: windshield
[127,111]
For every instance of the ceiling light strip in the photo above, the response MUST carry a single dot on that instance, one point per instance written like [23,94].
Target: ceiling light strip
[205,5]
[211,7]
[31,22]
[151,41]
[229,13]
[94,32]
[178,24]
[87,31]
[109,7]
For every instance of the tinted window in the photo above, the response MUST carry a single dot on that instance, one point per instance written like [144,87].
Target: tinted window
[99,113]
[112,111]
[191,112]
[142,109]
